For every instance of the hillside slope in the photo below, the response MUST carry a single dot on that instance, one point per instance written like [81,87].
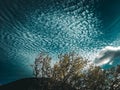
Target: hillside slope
[36,84]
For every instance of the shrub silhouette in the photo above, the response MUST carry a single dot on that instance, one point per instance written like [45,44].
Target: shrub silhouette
[41,66]
[75,71]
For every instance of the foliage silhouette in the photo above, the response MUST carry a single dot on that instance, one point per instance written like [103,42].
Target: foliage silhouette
[73,70]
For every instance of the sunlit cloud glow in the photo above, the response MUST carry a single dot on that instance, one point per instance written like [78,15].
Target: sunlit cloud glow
[107,55]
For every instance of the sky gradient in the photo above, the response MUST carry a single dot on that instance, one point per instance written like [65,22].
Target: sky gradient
[28,27]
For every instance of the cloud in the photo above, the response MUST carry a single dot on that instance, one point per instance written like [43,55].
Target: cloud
[107,55]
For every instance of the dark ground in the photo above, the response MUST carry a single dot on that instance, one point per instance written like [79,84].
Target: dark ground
[36,84]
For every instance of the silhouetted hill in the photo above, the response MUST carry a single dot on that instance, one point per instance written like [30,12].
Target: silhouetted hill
[36,84]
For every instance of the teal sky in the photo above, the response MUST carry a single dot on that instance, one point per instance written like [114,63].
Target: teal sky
[54,26]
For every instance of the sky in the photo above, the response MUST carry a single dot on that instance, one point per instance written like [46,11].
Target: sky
[28,27]
[109,55]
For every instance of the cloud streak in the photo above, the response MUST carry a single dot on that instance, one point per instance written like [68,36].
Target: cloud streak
[107,55]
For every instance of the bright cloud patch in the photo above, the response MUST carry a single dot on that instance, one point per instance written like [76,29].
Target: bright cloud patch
[107,55]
